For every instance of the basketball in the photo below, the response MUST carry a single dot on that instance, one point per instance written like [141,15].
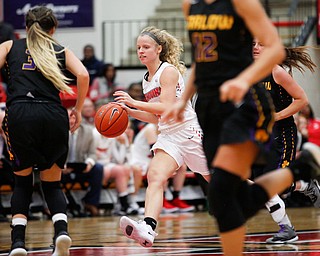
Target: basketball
[111,120]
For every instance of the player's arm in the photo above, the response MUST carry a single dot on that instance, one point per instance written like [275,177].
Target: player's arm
[4,49]
[168,80]
[75,66]
[186,8]
[142,115]
[284,79]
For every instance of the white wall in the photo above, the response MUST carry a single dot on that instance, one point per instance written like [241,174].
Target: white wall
[310,82]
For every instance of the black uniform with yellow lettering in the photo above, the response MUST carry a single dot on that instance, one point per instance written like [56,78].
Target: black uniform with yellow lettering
[34,114]
[284,131]
[225,123]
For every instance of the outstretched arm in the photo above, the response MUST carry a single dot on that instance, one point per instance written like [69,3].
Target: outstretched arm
[75,66]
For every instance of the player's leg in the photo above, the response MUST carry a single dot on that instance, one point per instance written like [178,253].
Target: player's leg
[56,201]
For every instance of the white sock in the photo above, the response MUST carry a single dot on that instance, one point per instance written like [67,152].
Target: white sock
[59,216]
[122,194]
[279,215]
[303,185]
[19,221]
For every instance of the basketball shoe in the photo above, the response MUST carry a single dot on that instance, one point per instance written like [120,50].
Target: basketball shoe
[139,231]
[313,192]
[182,205]
[62,243]
[18,241]
[286,234]
[168,207]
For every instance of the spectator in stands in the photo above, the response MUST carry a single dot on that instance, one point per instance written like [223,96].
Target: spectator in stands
[114,155]
[82,166]
[136,93]
[313,125]
[105,85]
[302,130]
[90,61]
[88,112]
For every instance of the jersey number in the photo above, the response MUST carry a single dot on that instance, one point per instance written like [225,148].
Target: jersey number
[205,44]
[30,65]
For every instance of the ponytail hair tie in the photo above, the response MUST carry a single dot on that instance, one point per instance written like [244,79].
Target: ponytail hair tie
[36,21]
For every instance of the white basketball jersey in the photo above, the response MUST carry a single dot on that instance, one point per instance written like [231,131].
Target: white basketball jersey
[152,91]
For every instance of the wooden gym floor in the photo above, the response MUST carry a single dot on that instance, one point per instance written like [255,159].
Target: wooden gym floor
[180,234]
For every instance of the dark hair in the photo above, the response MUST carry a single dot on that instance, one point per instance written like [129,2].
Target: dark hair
[298,58]
[43,16]
[104,69]
[133,84]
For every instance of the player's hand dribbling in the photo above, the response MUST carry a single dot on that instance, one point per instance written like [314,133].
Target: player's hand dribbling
[124,97]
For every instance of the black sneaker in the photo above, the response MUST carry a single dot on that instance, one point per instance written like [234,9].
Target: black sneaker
[18,241]
[62,243]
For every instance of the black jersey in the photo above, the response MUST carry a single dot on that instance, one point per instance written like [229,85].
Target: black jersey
[281,99]
[216,62]
[25,80]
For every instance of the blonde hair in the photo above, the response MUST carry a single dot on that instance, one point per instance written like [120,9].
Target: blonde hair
[40,21]
[171,46]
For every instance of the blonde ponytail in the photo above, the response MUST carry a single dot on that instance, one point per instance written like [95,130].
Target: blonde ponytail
[40,21]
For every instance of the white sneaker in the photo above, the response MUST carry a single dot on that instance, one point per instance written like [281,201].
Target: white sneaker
[138,231]
[62,245]
[18,252]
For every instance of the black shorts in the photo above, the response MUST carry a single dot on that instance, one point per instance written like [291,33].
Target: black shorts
[223,123]
[283,150]
[37,134]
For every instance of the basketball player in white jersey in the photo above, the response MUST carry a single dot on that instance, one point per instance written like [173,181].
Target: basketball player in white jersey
[177,143]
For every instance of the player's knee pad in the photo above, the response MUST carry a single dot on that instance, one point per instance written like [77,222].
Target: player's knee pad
[277,208]
[22,194]
[223,201]
[251,197]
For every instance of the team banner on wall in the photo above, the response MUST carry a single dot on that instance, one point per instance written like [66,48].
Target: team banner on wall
[70,13]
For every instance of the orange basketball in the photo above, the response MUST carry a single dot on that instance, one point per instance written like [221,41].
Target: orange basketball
[111,120]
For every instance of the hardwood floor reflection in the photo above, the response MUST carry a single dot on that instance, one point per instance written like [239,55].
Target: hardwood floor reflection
[179,234]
